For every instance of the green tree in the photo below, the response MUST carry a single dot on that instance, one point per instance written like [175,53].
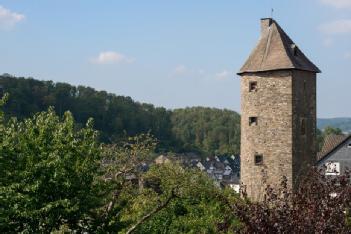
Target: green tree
[123,166]
[50,174]
[178,200]
[331,130]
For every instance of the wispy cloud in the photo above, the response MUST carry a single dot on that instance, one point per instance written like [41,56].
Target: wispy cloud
[184,71]
[336,27]
[111,57]
[180,69]
[337,3]
[8,18]
[223,75]
[347,55]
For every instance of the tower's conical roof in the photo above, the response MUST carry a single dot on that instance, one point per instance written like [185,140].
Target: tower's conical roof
[276,51]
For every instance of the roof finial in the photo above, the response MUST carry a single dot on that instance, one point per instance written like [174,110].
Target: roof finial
[272,10]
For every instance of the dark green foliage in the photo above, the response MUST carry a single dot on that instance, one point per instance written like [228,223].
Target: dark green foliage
[208,130]
[199,129]
[114,116]
[331,131]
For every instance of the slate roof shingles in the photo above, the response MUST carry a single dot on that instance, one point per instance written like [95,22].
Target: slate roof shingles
[330,143]
[276,51]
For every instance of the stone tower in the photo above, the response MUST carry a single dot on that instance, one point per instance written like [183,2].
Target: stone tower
[278,112]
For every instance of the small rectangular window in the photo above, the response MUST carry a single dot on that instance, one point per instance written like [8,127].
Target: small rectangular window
[252,121]
[258,159]
[332,168]
[253,86]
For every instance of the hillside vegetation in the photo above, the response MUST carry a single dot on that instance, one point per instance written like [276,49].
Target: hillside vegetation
[207,129]
[204,130]
[343,123]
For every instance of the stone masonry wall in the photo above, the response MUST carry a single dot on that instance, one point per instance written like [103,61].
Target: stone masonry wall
[272,137]
[304,109]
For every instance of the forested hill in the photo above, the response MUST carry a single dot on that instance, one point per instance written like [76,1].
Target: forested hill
[343,123]
[206,130]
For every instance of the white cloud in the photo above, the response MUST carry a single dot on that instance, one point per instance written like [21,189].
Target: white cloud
[8,19]
[111,57]
[180,69]
[223,75]
[336,27]
[337,3]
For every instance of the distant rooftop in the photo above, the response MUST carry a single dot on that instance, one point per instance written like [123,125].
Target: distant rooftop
[276,51]
[331,142]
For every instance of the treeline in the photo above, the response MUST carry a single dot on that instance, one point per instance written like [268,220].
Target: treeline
[204,130]
[342,123]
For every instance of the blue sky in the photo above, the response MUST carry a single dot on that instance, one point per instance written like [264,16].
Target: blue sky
[172,53]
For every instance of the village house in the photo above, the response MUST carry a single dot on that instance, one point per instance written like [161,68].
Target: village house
[335,155]
[224,170]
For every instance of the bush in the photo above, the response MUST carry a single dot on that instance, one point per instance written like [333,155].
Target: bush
[321,204]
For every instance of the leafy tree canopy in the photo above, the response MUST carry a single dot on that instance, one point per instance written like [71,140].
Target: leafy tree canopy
[178,200]
[49,173]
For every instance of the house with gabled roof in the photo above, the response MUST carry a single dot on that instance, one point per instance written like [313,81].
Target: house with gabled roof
[335,156]
[225,170]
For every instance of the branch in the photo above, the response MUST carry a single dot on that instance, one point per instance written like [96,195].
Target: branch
[122,172]
[147,216]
